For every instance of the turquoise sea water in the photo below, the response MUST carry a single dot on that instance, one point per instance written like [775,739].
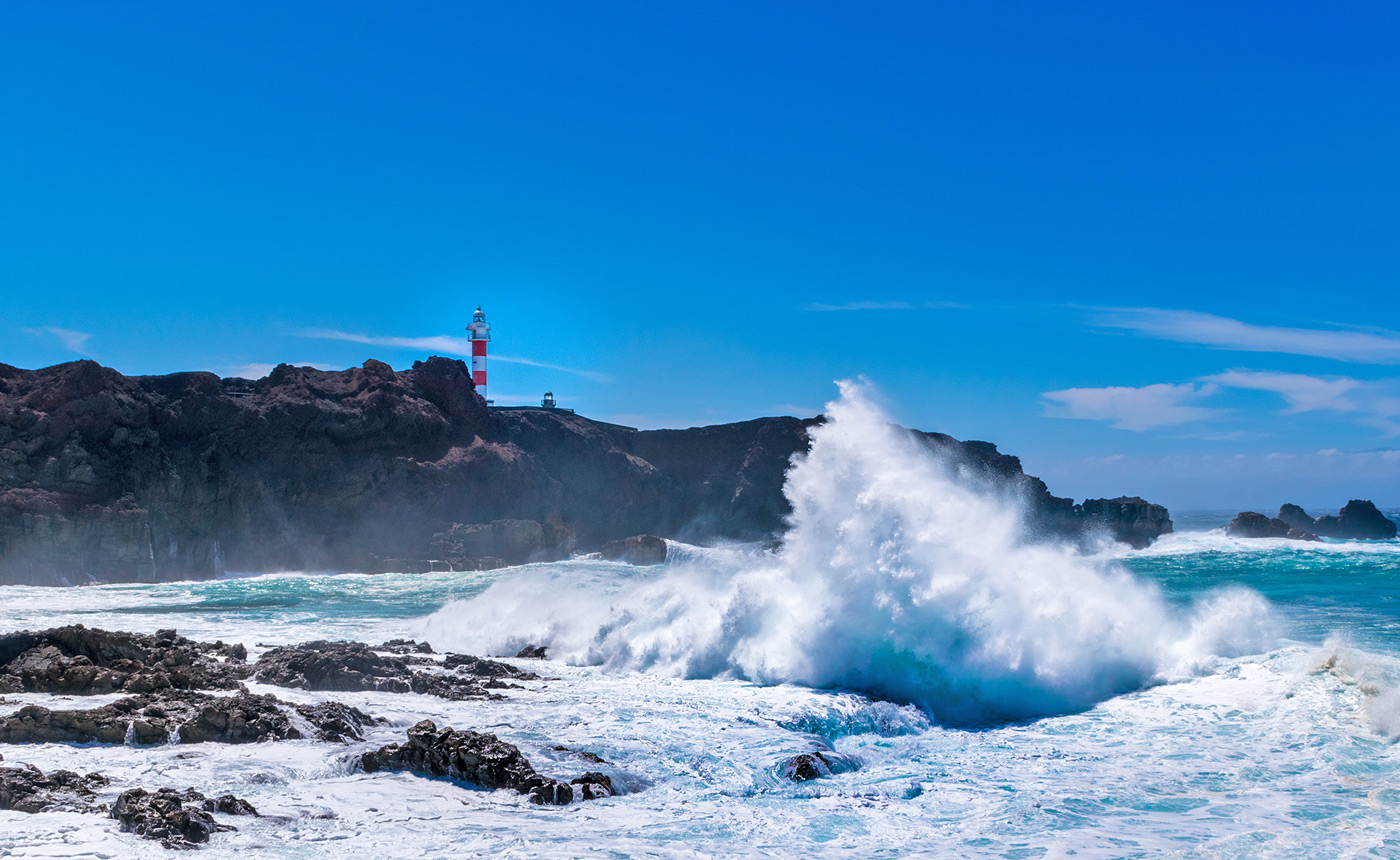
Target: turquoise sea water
[1205,698]
[1282,750]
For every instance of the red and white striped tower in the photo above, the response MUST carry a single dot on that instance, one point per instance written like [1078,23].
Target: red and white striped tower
[480,333]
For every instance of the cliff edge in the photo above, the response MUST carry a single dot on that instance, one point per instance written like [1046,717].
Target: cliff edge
[105,477]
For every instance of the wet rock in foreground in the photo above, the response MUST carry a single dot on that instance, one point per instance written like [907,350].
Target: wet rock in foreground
[87,661]
[184,717]
[815,765]
[481,760]
[27,789]
[355,667]
[179,819]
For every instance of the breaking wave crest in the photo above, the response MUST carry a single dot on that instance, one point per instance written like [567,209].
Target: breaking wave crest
[894,580]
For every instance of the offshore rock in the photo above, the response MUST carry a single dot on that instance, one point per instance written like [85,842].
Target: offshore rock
[179,819]
[481,760]
[186,718]
[1296,517]
[150,478]
[86,661]
[1131,520]
[815,765]
[27,789]
[354,667]
[1358,520]
[638,549]
[1249,524]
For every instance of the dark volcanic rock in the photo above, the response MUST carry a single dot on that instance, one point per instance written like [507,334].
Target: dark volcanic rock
[1358,520]
[353,666]
[179,819]
[532,652]
[27,789]
[104,476]
[86,661]
[183,717]
[1130,520]
[638,549]
[480,760]
[815,765]
[1249,524]
[1296,517]
[406,646]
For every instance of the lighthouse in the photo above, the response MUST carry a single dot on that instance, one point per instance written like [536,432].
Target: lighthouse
[479,333]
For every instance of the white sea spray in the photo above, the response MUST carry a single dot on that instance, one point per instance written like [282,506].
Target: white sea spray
[896,580]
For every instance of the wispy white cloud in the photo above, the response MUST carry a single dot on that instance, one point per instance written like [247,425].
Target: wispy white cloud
[448,345]
[1374,403]
[1160,405]
[1302,392]
[884,306]
[73,341]
[1217,332]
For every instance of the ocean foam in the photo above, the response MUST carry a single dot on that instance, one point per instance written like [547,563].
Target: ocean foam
[895,580]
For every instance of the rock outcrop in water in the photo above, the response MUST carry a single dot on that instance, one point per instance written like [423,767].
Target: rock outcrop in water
[86,661]
[27,789]
[115,478]
[481,760]
[177,716]
[179,819]
[353,667]
[638,549]
[1358,520]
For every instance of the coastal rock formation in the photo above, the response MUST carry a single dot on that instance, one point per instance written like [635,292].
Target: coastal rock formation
[638,549]
[481,760]
[1358,520]
[184,717]
[353,666]
[27,789]
[115,478]
[1249,524]
[179,819]
[86,661]
[815,765]
[1131,520]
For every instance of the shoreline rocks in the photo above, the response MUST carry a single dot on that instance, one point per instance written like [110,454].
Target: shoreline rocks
[481,760]
[179,819]
[28,789]
[184,717]
[355,667]
[84,661]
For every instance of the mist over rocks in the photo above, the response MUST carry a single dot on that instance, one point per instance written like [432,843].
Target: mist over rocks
[105,477]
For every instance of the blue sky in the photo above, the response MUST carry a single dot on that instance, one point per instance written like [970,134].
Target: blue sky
[1150,248]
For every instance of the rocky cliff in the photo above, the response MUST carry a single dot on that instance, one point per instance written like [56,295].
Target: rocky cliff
[114,478]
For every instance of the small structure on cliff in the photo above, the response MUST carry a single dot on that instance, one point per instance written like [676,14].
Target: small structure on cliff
[479,333]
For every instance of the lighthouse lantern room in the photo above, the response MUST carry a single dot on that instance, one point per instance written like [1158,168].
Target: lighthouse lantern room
[479,333]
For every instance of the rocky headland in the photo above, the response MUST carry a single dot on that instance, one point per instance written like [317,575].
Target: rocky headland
[105,477]
[210,705]
[1357,520]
